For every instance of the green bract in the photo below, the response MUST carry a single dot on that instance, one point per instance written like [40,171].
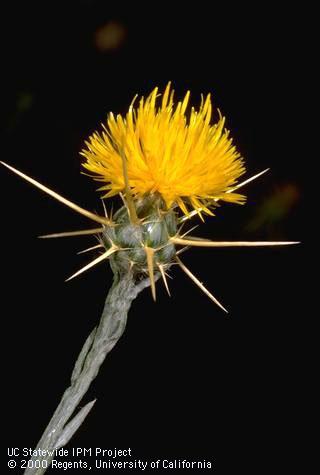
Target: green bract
[155,228]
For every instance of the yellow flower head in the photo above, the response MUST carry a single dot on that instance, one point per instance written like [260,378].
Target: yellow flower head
[183,157]
[162,158]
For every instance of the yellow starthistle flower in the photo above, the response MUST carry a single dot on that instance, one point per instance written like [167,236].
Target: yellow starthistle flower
[157,158]
[183,157]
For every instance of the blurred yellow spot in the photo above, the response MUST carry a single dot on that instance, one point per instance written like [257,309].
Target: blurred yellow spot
[110,36]
[276,207]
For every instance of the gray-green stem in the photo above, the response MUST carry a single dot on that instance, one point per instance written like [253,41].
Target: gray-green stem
[98,344]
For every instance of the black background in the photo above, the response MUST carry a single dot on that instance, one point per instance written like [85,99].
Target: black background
[185,381]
